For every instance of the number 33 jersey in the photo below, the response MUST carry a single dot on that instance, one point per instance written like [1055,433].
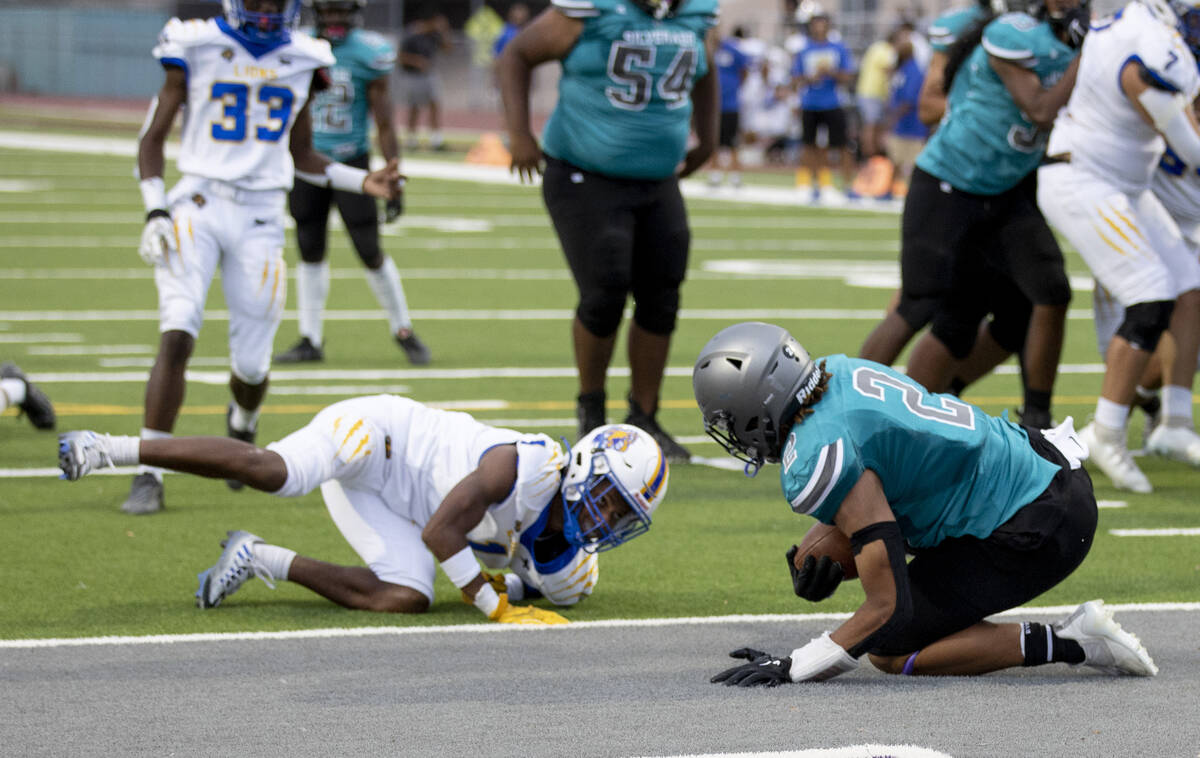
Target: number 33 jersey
[624,99]
[947,468]
[242,100]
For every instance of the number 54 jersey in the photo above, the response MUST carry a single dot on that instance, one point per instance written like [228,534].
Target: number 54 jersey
[947,468]
[242,100]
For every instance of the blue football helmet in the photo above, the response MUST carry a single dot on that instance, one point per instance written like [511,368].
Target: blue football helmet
[616,460]
[262,27]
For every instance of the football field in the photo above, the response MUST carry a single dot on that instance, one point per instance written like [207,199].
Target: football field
[491,296]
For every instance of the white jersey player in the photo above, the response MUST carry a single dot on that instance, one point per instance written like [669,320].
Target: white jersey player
[245,83]
[1136,82]
[409,485]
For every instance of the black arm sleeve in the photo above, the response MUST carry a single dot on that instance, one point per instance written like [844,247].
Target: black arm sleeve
[893,540]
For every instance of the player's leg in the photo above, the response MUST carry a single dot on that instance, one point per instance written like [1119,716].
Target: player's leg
[660,254]
[361,218]
[839,140]
[810,157]
[937,355]
[595,225]
[309,206]
[891,335]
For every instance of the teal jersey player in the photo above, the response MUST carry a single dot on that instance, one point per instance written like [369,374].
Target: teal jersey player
[968,475]
[986,145]
[340,112]
[624,106]
[948,27]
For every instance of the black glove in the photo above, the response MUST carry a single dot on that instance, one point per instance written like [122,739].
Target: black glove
[817,579]
[393,208]
[762,670]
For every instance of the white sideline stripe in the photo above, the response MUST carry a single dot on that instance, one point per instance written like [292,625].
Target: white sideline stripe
[47,337]
[488,628]
[850,751]
[91,349]
[1192,531]
[1111,504]
[547,314]
[425,169]
[344,389]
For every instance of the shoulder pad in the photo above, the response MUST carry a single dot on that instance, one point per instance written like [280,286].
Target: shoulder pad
[808,483]
[190,32]
[316,50]
[1170,67]
[377,53]
[540,462]
[1010,36]
[947,28]
[582,8]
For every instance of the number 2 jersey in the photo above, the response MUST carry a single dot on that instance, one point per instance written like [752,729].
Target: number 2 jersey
[624,100]
[340,111]
[985,145]
[947,468]
[242,100]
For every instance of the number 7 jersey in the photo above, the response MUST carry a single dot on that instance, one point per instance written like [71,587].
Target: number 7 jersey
[947,468]
[242,100]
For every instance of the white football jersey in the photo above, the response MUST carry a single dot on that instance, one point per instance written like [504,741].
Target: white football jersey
[1177,187]
[240,106]
[1099,126]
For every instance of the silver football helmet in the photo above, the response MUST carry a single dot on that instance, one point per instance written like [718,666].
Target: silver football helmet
[747,382]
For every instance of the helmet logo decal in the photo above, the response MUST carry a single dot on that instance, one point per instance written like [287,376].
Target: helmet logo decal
[614,439]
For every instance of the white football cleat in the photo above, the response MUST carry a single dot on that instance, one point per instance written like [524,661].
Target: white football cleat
[80,453]
[1175,442]
[236,564]
[1106,646]
[1113,458]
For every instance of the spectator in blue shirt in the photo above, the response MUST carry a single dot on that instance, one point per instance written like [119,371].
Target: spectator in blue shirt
[908,133]
[517,16]
[820,70]
[732,66]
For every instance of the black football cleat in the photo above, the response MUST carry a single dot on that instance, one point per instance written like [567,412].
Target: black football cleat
[674,452]
[36,406]
[589,411]
[303,351]
[415,350]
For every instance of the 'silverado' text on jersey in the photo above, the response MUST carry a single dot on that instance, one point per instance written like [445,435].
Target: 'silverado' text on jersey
[947,468]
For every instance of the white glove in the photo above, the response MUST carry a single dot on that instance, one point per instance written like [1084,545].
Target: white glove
[819,660]
[158,240]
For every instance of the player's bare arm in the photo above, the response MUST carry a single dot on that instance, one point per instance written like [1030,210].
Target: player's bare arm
[170,98]
[931,104]
[706,109]
[1166,110]
[549,37]
[319,170]
[379,100]
[1039,104]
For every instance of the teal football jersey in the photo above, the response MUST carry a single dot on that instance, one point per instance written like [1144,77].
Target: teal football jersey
[948,469]
[948,27]
[339,113]
[985,145]
[624,100]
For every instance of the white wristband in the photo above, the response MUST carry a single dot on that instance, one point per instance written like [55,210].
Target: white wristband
[154,193]
[820,659]
[345,178]
[461,568]
[487,600]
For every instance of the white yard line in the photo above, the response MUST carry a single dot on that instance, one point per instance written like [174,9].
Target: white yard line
[1193,531]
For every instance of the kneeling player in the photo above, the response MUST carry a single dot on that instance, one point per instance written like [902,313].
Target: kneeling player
[406,485]
[996,513]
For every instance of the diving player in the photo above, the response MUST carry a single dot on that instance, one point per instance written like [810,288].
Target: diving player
[408,485]
[635,75]
[1137,80]
[358,83]
[245,83]
[996,513]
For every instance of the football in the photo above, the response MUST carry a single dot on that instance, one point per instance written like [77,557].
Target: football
[821,540]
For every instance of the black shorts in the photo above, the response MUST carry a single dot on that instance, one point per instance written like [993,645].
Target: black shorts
[620,237]
[963,580]
[727,136]
[834,121]
[973,249]
[309,206]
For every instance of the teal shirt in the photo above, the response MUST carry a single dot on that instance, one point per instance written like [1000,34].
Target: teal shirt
[624,99]
[948,27]
[985,145]
[947,468]
[339,113]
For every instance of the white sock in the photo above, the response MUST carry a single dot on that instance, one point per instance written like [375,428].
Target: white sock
[124,450]
[1110,415]
[1177,405]
[312,290]
[242,419]
[276,560]
[385,283]
[153,434]
[12,392]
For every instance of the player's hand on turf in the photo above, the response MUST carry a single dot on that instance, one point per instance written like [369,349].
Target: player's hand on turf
[393,208]
[386,182]
[817,578]
[526,157]
[763,670]
[158,238]
[524,614]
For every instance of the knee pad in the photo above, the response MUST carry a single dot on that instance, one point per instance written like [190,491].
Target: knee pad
[365,238]
[1009,328]
[656,311]
[310,237]
[251,370]
[1145,322]
[600,310]
[957,334]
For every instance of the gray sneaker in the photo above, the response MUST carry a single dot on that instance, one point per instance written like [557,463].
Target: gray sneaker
[236,564]
[1106,646]
[145,496]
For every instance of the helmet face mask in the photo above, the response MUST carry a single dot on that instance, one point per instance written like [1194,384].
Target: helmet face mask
[746,382]
[614,468]
[659,9]
[335,18]
[258,26]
